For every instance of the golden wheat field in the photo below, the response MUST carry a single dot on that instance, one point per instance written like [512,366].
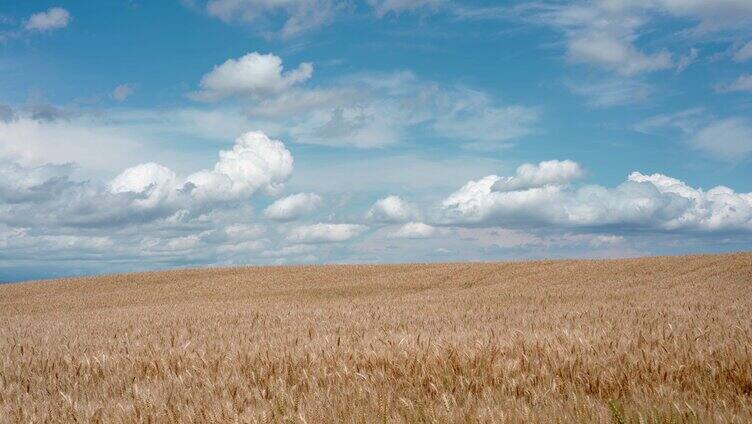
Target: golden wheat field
[638,340]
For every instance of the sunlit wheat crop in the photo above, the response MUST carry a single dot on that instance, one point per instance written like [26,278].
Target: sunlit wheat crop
[638,340]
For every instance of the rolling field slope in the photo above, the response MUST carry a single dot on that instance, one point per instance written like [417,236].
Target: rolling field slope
[646,340]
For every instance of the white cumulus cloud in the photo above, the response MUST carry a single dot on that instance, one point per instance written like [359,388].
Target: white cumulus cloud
[654,202]
[153,181]
[255,162]
[49,214]
[552,172]
[292,207]
[391,209]
[254,74]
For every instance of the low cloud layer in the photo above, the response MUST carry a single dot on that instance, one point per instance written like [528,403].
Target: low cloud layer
[642,202]
[146,192]
[149,215]
[255,163]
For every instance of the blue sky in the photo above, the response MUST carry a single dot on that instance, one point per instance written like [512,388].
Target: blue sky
[147,135]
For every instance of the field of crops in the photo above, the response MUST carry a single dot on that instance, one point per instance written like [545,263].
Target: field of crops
[637,340]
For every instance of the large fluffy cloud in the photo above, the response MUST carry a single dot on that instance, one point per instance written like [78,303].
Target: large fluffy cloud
[256,162]
[254,74]
[654,202]
[151,180]
[146,216]
[144,192]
